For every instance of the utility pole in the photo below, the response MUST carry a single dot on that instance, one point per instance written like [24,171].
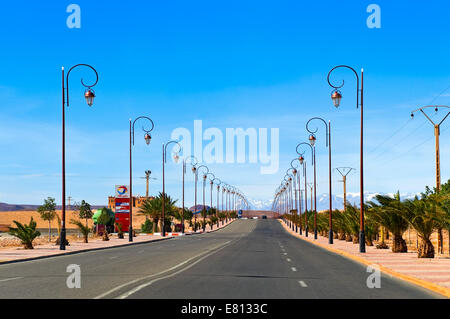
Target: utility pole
[69,198]
[438,161]
[436,135]
[344,171]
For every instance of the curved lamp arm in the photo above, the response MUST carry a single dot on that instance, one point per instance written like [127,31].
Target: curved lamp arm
[86,86]
[339,86]
[165,149]
[314,131]
[146,131]
[304,143]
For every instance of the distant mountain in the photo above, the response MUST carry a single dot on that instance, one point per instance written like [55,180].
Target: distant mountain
[4,207]
[323,203]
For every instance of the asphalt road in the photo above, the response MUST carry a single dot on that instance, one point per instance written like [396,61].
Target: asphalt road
[247,259]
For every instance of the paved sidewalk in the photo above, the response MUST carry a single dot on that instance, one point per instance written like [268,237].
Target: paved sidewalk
[48,250]
[430,273]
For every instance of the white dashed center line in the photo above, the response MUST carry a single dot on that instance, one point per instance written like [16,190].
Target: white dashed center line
[288,260]
[294,269]
[302,283]
[8,279]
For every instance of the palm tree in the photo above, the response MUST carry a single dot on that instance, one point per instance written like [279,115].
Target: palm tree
[26,233]
[84,229]
[389,212]
[422,215]
[153,207]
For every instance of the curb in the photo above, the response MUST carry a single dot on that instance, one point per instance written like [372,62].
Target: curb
[80,251]
[419,282]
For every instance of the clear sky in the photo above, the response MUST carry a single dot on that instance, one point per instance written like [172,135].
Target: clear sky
[250,64]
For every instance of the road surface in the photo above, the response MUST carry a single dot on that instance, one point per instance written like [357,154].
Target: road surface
[247,259]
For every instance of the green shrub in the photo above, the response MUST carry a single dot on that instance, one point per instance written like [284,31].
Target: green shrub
[147,227]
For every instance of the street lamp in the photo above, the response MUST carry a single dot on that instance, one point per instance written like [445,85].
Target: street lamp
[147,138]
[204,180]
[328,144]
[218,195]
[336,96]
[211,184]
[164,159]
[89,96]
[313,162]
[436,135]
[298,199]
[192,157]
[302,161]
[294,175]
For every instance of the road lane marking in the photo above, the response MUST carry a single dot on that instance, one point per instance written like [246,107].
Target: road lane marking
[129,293]
[302,283]
[288,260]
[285,254]
[160,273]
[8,279]
[293,269]
[112,257]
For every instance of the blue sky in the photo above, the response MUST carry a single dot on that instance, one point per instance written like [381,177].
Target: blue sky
[260,64]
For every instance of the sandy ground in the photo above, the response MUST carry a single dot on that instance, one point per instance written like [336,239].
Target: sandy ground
[7,218]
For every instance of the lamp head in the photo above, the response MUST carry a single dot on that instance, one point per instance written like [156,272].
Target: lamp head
[336,96]
[301,159]
[89,95]
[176,157]
[312,139]
[147,138]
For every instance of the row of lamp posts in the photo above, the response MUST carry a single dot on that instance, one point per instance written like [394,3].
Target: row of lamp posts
[232,193]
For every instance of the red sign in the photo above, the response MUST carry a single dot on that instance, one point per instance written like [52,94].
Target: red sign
[124,220]
[122,205]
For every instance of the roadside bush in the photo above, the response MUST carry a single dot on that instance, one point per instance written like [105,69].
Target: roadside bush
[147,227]
[26,233]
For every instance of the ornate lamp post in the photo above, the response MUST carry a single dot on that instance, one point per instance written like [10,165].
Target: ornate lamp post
[211,184]
[298,198]
[328,144]
[147,138]
[313,162]
[293,183]
[89,95]
[204,181]
[218,195]
[191,158]
[164,159]
[336,96]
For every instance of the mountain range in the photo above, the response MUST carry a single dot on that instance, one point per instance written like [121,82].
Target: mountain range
[323,203]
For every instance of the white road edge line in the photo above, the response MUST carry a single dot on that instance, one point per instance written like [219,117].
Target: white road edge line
[157,274]
[302,283]
[294,269]
[129,293]
[8,279]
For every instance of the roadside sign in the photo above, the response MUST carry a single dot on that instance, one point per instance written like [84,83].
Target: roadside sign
[122,191]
